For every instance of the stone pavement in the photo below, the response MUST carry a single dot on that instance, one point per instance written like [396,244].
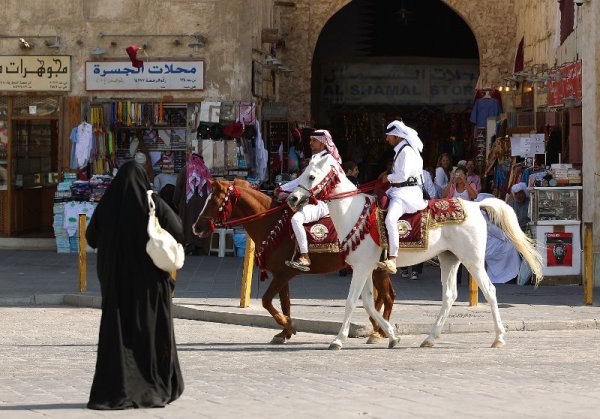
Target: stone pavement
[208,288]
[48,356]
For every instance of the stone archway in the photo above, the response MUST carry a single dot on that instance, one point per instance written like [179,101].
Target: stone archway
[492,28]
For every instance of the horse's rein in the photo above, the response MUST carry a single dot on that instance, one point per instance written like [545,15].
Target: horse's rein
[226,208]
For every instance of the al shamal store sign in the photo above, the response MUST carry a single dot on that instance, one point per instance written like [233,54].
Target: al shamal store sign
[410,84]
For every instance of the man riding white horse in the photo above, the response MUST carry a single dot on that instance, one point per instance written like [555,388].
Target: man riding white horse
[321,145]
[405,194]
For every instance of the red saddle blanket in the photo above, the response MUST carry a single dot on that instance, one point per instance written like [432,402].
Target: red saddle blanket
[414,228]
[322,237]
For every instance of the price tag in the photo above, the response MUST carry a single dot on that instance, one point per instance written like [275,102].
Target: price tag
[32,109]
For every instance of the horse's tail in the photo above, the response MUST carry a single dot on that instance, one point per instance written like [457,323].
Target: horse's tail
[504,217]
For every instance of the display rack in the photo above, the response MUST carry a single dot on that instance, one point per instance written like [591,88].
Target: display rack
[277,134]
[556,221]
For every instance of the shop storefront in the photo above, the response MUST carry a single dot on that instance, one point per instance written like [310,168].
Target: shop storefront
[31,89]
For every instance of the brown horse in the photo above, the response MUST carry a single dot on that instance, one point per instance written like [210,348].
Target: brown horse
[251,202]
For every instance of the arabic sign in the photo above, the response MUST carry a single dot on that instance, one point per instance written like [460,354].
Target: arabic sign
[527,146]
[363,83]
[154,75]
[34,73]
[569,84]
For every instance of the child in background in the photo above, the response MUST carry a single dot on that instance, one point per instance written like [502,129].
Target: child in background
[351,170]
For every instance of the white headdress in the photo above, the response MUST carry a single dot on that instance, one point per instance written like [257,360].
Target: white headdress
[398,129]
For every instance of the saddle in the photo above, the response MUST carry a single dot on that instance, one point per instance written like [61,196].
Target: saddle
[414,228]
[321,236]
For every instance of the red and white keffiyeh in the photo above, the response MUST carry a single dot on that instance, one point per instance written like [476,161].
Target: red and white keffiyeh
[323,136]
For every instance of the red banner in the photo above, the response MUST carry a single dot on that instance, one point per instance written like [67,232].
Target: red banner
[567,86]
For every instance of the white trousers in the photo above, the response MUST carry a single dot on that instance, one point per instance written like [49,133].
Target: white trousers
[395,211]
[402,201]
[308,214]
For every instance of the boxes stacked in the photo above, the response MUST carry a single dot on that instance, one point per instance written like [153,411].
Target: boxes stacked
[62,195]
[574,177]
[62,238]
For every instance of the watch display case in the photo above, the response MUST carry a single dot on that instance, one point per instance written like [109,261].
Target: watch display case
[556,219]
[553,204]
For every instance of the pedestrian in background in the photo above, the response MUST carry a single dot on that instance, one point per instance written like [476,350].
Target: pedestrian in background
[137,364]
[191,191]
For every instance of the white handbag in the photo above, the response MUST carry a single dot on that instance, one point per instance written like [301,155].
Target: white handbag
[162,248]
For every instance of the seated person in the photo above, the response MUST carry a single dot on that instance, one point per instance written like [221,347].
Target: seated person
[321,144]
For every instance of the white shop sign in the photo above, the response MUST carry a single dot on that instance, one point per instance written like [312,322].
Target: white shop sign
[410,84]
[35,73]
[154,75]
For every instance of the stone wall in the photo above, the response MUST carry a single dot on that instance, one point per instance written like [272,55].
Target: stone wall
[231,28]
[491,21]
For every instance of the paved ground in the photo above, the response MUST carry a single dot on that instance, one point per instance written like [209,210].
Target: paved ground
[48,356]
[208,288]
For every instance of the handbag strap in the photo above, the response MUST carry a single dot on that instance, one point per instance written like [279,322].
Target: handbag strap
[150,203]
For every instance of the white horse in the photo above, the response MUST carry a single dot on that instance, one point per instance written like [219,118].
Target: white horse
[453,244]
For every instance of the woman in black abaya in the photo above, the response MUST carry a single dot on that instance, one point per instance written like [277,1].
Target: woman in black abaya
[137,364]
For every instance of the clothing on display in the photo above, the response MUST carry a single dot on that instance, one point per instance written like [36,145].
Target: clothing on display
[483,109]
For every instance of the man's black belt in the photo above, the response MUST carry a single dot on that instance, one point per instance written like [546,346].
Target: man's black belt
[410,182]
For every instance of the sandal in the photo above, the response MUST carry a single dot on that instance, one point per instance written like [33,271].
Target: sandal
[297,264]
[388,266]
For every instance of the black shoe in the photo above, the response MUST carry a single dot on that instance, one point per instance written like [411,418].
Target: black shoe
[343,272]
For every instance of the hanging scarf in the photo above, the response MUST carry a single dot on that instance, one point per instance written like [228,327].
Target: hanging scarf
[197,175]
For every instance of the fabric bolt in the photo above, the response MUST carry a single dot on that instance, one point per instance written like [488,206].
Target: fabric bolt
[137,364]
[308,214]
[408,199]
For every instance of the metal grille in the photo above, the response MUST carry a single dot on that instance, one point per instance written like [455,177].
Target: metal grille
[44,106]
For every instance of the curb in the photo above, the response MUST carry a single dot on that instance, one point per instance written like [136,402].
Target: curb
[326,327]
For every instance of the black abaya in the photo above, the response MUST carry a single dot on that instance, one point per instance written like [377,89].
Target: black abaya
[137,364]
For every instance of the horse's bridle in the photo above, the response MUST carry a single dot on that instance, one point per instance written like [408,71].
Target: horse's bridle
[321,191]
[225,209]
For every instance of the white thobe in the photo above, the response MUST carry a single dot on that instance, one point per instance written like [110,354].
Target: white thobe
[407,199]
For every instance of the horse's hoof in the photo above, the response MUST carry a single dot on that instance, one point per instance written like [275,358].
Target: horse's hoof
[393,342]
[498,343]
[278,340]
[335,346]
[373,339]
[427,344]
